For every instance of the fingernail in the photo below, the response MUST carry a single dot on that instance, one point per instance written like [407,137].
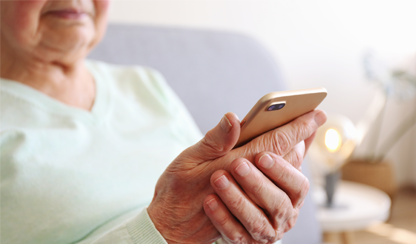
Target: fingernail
[320,118]
[225,124]
[266,161]
[222,182]
[212,204]
[242,169]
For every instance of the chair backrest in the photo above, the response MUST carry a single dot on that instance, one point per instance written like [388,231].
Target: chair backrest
[212,72]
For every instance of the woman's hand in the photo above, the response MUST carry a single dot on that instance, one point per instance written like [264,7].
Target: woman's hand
[250,207]
[177,207]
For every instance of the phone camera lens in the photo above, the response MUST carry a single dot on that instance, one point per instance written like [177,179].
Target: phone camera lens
[277,106]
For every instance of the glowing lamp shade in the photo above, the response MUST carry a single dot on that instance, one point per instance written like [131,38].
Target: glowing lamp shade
[333,144]
[332,140]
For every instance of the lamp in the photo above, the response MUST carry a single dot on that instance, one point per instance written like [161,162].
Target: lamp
[334,143]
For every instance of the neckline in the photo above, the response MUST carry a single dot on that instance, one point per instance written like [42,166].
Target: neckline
[52,105]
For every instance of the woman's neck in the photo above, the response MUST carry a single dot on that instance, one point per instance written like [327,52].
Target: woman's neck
[71,84]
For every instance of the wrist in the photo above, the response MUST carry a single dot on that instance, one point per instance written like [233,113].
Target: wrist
[161,222]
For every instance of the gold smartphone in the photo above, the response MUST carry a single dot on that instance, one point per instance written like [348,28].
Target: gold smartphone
[276,109]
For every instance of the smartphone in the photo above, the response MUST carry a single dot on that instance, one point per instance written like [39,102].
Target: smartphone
[276,109]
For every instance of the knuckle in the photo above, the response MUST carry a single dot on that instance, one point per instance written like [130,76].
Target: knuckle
[223,221]
[286,172]
[304,123]
[307,127]
[257,144]
[303,189]
[290,223]
[275,238]
[260,232]
[298,158]
[282,212]
[281,142]
[209,142]
[305,186]
[238,203]
[258,188]
[279,235]
[237,239]
[302,129]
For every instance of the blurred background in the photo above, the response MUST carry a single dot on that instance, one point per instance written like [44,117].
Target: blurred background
[320,43]
[315,43]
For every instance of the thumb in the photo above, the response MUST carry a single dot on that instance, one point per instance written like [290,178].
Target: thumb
[219,140]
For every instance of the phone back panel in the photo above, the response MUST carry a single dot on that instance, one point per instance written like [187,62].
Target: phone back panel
[259,120]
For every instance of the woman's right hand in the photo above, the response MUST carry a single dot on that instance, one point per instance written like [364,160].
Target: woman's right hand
[177,207]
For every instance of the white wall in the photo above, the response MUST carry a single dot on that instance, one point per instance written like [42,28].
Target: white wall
[316,43]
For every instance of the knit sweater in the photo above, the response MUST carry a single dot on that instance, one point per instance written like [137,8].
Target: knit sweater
[75,176]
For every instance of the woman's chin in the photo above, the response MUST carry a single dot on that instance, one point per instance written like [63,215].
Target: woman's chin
[66,44]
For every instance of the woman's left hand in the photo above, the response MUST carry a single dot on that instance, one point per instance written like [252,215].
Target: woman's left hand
[251,208]
[179,211]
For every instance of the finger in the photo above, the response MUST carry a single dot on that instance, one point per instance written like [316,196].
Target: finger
[296,155]
[231,230]
[284,138]
[309,141]
[243,208]
[290,223]
[283,174]
[218,141]
[264,192]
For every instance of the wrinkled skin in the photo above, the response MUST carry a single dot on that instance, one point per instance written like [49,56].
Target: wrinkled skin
[44,48]
[256,206]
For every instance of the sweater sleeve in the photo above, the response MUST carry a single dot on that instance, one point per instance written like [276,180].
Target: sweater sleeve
[138,230]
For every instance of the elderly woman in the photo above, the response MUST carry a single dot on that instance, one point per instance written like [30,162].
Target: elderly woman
[83,143]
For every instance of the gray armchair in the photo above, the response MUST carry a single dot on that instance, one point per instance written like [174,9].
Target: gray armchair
[213,73]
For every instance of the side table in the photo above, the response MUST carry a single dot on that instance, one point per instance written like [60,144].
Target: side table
[356,206]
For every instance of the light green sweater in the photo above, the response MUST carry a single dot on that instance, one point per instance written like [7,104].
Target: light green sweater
[72,176]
